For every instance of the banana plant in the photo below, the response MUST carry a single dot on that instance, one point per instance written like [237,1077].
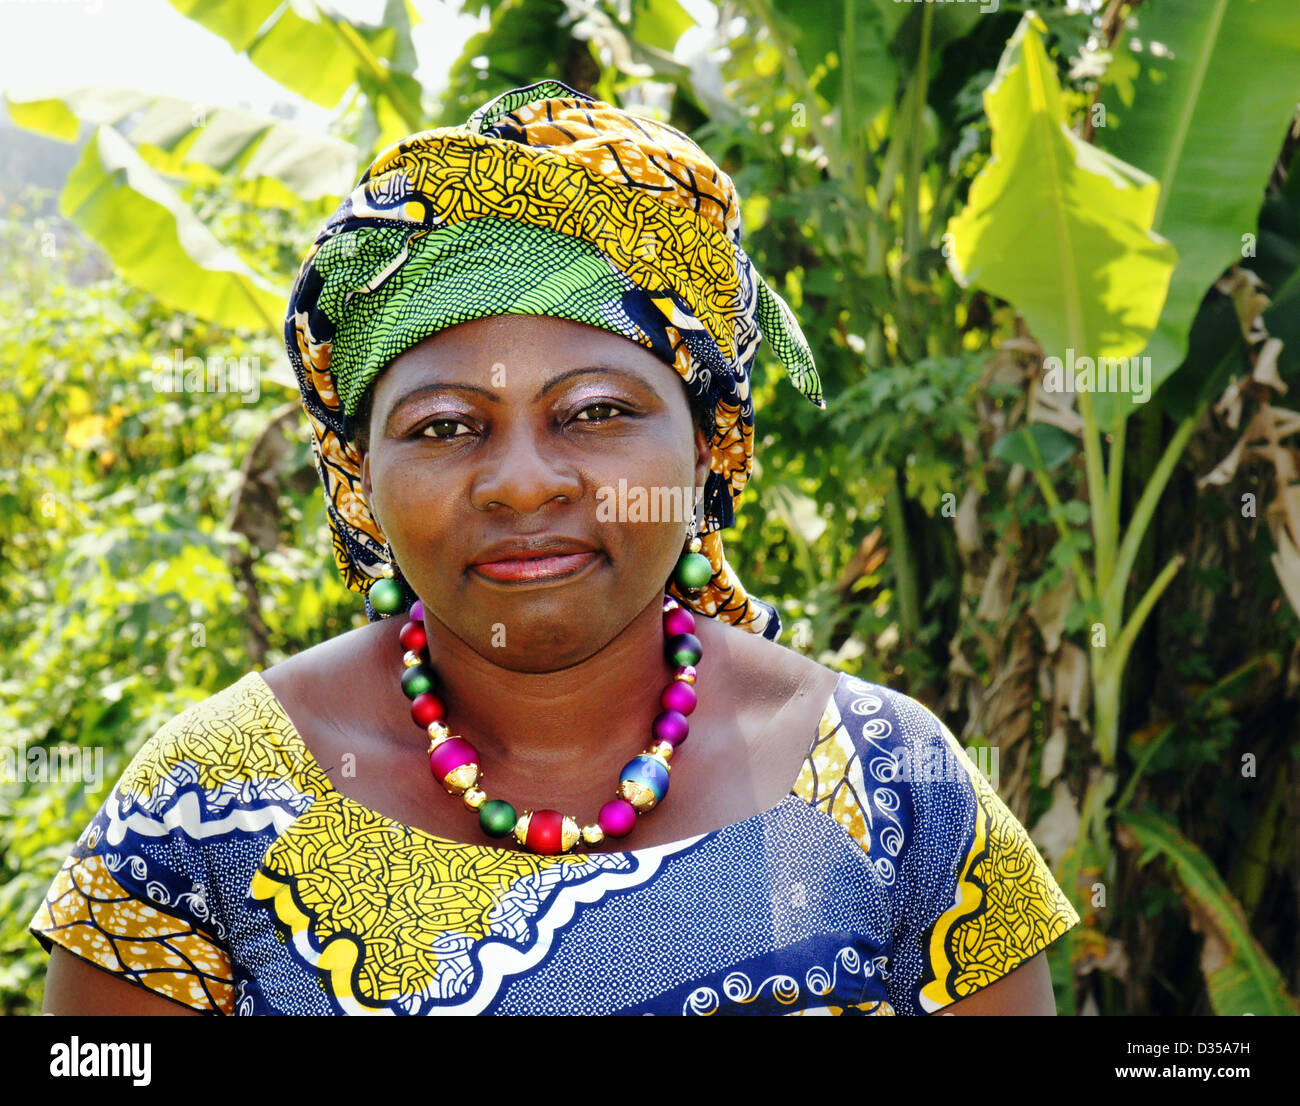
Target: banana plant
[1107,259]
[1239,976]
[124,191]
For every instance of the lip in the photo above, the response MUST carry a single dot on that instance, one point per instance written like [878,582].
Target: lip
[528,570]
[543,557]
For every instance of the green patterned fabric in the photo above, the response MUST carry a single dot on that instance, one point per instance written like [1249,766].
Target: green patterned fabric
[386,291]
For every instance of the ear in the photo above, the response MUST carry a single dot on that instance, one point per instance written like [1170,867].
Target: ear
[703,453]
[365,472]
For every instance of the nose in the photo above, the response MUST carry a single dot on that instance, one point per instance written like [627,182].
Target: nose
[523,473]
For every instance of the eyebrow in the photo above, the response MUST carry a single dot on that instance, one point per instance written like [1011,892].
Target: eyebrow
[425,389]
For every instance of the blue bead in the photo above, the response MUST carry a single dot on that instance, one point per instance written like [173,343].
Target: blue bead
[647,770]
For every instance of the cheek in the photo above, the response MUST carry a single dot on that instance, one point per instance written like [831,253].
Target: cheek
[416,499]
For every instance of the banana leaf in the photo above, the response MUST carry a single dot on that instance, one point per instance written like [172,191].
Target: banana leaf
[1239,976]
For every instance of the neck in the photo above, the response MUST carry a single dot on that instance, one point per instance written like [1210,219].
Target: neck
[574,723]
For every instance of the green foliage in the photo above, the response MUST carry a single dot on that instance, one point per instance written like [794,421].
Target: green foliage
[1091,276]
[120,605]
[912,534]
[1241,978]
[1203,115]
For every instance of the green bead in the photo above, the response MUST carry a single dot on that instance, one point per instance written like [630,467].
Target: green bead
[694,571]
[497,817]
[416,680]
[684,649]
[386,596]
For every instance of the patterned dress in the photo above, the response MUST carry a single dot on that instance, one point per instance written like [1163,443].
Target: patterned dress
[226,873]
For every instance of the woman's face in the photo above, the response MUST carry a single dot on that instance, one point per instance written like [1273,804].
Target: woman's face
[503,434]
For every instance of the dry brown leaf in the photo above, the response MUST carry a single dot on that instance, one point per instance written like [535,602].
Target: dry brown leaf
[1283,513]
[1071,687]
[959,665]
[1053,755]
[1049,611]
[1057,831]
[1261,439]
[1228,406]
[1286,563]
[1265,371]
[1056,408]
[1113,960]
[999,585]
[966,525]
[1242,285]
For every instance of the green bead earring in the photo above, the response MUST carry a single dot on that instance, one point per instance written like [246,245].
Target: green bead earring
[693,571]
[386,593]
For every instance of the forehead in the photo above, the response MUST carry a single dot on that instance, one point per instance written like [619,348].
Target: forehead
[533,346]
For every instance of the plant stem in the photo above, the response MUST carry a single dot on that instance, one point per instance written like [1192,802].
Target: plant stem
[909,607]
[916,149]
[1083,580]
[1146,506]
[412,115]
[1115,468]
[1103,538]
[1134,625]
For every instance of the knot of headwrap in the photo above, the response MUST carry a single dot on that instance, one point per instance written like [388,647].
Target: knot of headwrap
[546,202]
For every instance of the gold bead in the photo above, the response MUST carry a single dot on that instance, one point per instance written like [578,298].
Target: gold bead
[410,659]
[521,827]
[641,797]
[593,834]
[569,834]
[438,733]
[460,779]
[475,797]
[687,679]
[387,571]
[662,752]
[696,545]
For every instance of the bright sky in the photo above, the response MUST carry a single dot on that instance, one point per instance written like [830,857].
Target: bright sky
[148,45]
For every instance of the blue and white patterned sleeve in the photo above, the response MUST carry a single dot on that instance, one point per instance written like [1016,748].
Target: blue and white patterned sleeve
[974,899]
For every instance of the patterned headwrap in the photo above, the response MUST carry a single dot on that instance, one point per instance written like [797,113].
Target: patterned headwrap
[546,202]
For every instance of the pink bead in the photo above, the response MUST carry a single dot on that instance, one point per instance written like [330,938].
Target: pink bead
[617,818]
[417,611]
[679,697]
[450,755]
[680,621]
[671,726]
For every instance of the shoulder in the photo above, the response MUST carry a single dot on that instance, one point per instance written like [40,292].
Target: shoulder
[316,687]
[235,735]
[765,673]
[971,896]
[152,887]
[885,759]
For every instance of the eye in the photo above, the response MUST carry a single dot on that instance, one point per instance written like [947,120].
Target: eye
[430,429]
[597,407]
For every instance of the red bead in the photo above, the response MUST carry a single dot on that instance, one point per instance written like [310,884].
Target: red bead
[426,709]
[545,832]
[413,637]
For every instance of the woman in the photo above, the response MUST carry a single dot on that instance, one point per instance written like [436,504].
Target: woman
[524,349]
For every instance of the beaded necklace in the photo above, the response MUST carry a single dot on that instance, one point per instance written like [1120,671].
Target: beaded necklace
[642,784]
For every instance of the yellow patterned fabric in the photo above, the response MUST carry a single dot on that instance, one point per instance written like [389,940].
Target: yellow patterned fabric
[1004,899]
[546,202]
[227,874]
